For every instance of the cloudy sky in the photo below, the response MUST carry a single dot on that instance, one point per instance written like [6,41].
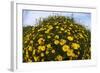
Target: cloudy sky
[30,17]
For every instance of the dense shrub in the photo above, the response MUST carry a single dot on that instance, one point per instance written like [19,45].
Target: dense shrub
[56,38]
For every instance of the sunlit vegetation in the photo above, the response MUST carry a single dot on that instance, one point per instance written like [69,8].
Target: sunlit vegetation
[56,38]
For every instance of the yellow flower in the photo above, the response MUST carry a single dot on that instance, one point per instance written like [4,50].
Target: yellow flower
[70,38]
[42,54]
[78,52]
[62,29]
[48,37]
[62,41]
[26,52]
[75,46]
[56,37]
[50,27]
[57,26]
[56,42]
[41,41]
[42,48]
[59,58]
[48,45]
[25,42]
[30,48]
[65,48]
[53,51]
[65,30]
[55,23]
[47,31]
[47,52]
[70,53]
[68,33]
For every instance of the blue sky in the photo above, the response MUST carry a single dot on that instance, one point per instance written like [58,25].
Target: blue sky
[30,17]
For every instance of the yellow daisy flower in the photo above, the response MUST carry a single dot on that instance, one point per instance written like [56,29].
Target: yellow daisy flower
[48,45]
[65,48]
[30,48]
[41,41]
[47,52]
[47,31]
[70,53]
[62,29]
[62,41]
[59,58]
[50,27]
[57,26]
[75,46]
[70,38]
[42,54]
[56,36]
[56,42]
[48,37]
[42,48]
[68,33]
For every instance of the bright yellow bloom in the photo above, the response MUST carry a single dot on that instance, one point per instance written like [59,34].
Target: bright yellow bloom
[41,41]
[48,45]
[70,53]
[70,38]
[57,37]
[56,42]
[30,48]
[59,58]
[42,48]
[65,48]
[75,46]
[62,41]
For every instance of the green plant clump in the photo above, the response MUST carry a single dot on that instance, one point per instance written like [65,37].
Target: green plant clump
[56,38]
